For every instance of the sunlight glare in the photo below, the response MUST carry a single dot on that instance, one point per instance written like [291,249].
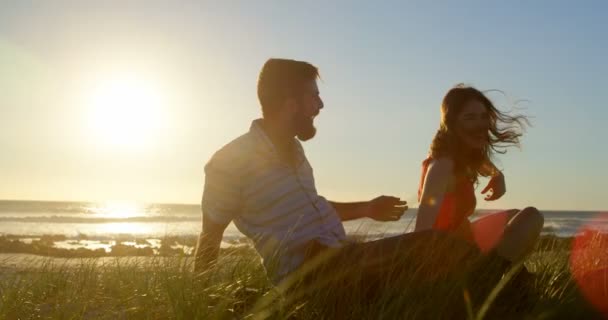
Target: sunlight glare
[118,210]
[125,111]
[589,262]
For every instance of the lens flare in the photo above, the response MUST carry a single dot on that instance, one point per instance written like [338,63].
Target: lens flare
[589,262]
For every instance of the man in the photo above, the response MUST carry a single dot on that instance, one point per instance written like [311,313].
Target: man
[263,182]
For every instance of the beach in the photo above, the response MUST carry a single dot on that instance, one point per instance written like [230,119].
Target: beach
[135,261]
[164,287]
[85,229]
[143,268]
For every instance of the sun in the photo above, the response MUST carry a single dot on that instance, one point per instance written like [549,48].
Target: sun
[125,111]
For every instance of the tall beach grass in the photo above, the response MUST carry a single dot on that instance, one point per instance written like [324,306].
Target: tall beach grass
[237,288]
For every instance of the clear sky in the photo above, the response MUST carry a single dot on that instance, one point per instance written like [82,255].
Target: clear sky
[117,100]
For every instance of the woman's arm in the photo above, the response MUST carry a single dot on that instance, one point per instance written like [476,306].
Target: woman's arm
[489,169]
[497,185]
[435,186]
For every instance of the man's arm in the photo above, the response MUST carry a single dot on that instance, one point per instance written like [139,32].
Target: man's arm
[208,246]
[383,208]
[220,205]
[350,210]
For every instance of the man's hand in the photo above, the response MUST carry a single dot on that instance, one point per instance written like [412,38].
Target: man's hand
[385,208]
[496,186]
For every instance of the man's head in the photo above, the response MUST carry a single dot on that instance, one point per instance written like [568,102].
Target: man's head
[288,92]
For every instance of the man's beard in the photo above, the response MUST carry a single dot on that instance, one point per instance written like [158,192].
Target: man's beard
[305,130]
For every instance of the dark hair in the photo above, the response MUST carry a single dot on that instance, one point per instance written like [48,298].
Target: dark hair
[504,131]
[281,79]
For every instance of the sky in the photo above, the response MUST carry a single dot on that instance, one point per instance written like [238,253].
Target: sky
[115,100]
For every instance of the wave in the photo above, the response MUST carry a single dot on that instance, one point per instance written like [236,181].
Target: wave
[56,207]
[72,219]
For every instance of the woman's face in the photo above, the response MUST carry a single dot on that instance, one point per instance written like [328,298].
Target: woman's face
[472,125]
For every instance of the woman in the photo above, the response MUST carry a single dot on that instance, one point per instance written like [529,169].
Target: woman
[471,132]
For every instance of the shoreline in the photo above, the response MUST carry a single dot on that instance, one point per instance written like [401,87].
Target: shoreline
[61,246]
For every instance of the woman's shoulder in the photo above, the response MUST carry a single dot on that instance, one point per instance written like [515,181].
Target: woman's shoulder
[438,170]
[439,164]
[437,175]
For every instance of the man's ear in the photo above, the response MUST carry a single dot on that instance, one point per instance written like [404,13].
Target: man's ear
[291,105]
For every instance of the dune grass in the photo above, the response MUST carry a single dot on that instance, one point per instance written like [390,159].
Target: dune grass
[166,288]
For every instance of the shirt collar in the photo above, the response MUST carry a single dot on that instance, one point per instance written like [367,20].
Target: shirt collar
[263,141]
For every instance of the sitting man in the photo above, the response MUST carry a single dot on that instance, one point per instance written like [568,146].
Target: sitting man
[263,182]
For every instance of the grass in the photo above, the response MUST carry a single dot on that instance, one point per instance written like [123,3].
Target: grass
[166,288]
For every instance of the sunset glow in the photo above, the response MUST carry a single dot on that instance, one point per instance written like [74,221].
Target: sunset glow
[125,111]
[118,210]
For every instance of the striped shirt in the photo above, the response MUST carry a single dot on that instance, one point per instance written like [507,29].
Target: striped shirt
[271,202]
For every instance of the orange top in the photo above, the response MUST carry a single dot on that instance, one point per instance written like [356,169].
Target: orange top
[458,202]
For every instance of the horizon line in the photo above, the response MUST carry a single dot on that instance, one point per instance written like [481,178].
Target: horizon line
[599,211]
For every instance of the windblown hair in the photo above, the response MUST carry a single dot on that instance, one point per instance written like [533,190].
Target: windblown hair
[281,79]
[504,131]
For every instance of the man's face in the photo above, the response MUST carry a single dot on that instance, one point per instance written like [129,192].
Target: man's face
[308,106]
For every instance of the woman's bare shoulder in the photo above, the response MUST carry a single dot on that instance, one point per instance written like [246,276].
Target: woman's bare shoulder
[441,165]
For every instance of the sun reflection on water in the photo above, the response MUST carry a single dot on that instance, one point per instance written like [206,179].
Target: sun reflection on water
[118,209]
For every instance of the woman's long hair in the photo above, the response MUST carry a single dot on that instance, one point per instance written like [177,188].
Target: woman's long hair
[504,131]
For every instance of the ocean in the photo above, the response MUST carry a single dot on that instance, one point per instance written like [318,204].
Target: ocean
[86,220]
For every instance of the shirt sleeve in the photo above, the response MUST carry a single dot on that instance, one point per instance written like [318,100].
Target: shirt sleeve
[222,191]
